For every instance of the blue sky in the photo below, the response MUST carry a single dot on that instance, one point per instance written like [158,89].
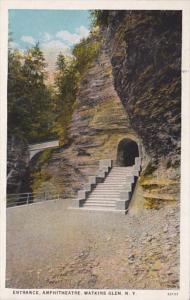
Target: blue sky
[56,30]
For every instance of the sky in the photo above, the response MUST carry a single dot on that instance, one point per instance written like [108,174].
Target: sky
[56,30]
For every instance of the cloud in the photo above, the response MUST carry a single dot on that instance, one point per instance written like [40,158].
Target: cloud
[52,45]
[14,45]
[70,38]
[28,39]
[46,36]
[82,31]
[73,38]
[51,49]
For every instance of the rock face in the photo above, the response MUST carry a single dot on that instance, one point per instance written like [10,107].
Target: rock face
[17,165]
[98,125]
[146,59]
[145,51]
[133,91]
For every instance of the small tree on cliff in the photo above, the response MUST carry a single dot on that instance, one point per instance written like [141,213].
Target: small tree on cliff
[66,81]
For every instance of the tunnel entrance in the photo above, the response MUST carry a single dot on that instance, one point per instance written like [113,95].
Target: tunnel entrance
[126,152]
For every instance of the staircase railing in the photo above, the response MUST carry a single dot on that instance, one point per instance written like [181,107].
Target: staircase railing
[126,194]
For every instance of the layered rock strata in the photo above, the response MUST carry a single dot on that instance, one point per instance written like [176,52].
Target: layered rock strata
[98,125]
[145,52]
[145,49]
[132,90]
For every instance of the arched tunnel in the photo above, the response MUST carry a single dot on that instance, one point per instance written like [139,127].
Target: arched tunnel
[126,152]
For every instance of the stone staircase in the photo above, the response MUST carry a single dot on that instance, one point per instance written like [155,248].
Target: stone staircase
[111,189]
[106,194]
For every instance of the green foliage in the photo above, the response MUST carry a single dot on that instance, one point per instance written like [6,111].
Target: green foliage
[99,17]
[38,174]
[85,52]
[68,78]
[35,111]
[29,99]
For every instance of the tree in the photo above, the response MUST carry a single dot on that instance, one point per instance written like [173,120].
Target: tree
[29,99]
[16,107]
[67,81]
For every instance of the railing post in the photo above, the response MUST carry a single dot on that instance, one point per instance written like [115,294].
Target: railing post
[27,201]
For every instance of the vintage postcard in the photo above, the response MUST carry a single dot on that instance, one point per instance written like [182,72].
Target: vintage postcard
[95,149]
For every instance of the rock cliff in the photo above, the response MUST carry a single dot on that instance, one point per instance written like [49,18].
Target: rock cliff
[132,90]
[146,59]
[17,165]
[98,124]
[145,51]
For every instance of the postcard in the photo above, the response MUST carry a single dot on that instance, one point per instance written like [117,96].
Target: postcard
[95,149]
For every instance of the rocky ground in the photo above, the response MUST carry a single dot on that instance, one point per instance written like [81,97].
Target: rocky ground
[49,246]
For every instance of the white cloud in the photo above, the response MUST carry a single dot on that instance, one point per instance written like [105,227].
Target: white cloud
[14,45]
[73,38]
[70,38]
[47,36]
[82,31]
[28,39]
[62,42]
[55,46]
[51,49]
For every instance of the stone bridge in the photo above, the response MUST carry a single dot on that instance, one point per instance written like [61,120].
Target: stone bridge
[36,148]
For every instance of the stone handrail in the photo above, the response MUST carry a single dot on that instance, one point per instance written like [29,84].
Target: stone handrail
[105,166]
[126,194]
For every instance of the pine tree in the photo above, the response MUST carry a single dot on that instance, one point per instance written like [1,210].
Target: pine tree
[29,99]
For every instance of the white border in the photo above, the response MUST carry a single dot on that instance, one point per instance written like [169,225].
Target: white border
[183,293]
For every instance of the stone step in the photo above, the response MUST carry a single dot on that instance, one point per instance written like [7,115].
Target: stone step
[113,186]
[116,179]
[104,197]
[120,175]
[122,168]
[121,171]
[117,188]
[100,196]
[95,208]
[108,188]
[105,192]
[119,182]
[99,204]
[113,192]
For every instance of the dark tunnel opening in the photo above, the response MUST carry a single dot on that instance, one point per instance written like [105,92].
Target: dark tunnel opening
[126,152]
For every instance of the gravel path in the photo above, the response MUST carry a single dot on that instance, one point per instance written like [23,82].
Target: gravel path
[50,246]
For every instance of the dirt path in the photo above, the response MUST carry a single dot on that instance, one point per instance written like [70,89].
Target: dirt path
[49,246]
